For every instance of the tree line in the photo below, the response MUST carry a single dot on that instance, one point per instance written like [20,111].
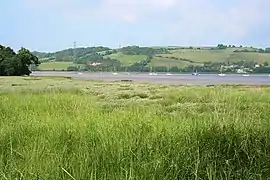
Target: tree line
[16,64]
[137,50]
[91,55]
[68,55]
[172,69]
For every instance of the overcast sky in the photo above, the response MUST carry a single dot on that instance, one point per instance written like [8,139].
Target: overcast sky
[49,25]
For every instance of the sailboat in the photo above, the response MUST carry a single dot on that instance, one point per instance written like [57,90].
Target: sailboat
[114,73]
[245,74]
[126,71]
[221,74]
[195,73]
[152,73]
[168,74]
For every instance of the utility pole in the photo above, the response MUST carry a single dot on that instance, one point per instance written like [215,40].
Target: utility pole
[74,51]
[119,48]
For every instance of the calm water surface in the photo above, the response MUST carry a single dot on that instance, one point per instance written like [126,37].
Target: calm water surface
[202,79]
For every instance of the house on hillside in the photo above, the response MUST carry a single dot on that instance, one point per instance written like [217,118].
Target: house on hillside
[93,64]
[240,71]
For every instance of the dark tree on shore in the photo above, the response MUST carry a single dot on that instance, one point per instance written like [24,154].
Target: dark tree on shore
[16,64]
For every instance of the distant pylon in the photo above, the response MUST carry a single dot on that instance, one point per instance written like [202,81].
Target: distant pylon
[74,54]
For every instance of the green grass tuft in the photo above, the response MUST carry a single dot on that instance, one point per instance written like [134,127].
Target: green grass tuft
[96,130]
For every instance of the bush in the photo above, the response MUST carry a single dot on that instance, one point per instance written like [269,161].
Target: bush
[72,68]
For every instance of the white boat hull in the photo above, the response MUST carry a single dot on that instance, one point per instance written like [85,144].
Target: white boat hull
[222,75]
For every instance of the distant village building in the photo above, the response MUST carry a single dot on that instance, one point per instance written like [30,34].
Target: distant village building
[243,70]
[240,71]
[267,49]
[94,64]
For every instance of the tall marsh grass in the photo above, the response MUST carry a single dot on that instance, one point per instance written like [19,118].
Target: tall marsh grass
[186,133]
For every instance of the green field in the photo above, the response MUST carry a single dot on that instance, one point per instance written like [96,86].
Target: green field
[56,65]
[167,62]
[59,128]
[199,56]
[127,59]
[257,57]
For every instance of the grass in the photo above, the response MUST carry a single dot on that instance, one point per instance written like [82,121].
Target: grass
[204,55]
[198,56]
[257,57]
[59,128]
[56,65]
[127,59]
[167,62]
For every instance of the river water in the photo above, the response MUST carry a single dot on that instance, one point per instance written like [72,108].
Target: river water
[177,79]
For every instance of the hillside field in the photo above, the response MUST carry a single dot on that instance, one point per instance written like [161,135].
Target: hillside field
[203,55]
[61,128]
[56,65]
[127,60]
[180,57]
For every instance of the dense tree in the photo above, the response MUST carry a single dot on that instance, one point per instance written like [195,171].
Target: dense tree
[95,57]
[262,70]
[265,64]
[69,54]
[105,65]
[221,46]
[136,50]
[72,68]
[12,64]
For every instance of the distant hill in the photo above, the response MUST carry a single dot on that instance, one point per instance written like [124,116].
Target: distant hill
[68,54]
[137,58]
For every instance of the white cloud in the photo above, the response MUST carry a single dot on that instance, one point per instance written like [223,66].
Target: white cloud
[196,18]
[132,10]
[127,10]
[201,19]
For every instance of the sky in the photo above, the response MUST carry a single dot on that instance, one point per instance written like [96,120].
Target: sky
[51,25]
